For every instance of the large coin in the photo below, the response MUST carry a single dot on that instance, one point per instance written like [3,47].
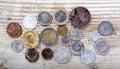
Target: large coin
[14,30]
[30,39]
[66,40]
[17,46]
[62,55]
[47,53]
[105,28]
[87,57]
[80,17]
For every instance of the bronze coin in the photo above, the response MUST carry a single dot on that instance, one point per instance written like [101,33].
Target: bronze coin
[32,55]
[47,53]
[14,30]
[80,17]
[62,30]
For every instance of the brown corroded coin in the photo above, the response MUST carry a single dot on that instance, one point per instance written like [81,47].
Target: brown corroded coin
[32,55]
[62,30]
[47,53]
[14,30]
[80,17]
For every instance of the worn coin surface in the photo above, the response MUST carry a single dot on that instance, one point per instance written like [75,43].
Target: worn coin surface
[94,36]
[76,47]
[30,22]
[47,53]
[80,17]
[87,57]
[44,18]
[62,55]
[105,28]
[31,55]
[62,30]
[75,33]
[101,46]
[66,40]
[49,36]
[30,39]
[17,46]
[14,30]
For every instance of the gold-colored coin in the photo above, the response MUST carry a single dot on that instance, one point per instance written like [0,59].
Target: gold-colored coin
[30,39]
[62,30]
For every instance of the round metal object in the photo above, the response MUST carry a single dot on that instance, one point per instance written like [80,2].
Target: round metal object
[94,36]
[66,40]
[47,53]
[80,17]
[62,30]
[87,57]
[17,46]
[105,28]
[62,55]
[14,30]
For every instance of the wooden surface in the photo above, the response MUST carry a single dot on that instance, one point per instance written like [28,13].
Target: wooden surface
[15,10]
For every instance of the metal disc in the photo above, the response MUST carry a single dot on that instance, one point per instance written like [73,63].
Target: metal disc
[66,40]
[47,53]
[62,30]
[94,36]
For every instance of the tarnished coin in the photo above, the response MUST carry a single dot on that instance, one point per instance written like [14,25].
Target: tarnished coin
[32,55]
[101,46]
[66,40]
[62,30]
[76,47]
[30,22]
[49,36]
[94,36]
[80,17]
[62,55]
[44,18]
[30,39]
[17,46]
[87,57]
[105,28]
[47,53]
[14,30]
[61,16]
[75,34]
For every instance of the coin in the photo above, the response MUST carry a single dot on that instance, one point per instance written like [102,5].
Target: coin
[76,47]
[80,17]
[62,30]
[87,57]
[75,33]
[17,46]
[30,39]
[62,55]
[14,30]
[66,40]
[105,28]
[94,36]
[101,46]
[49,36]
[31,55]
[44,18]
[47,53]
[30,21]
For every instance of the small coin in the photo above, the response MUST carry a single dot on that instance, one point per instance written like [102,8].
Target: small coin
[80,17]
[75,33]
[30,39]
[94,36]
[30,22]
[62,30]
[49,36]
[32,55]
[47,53]
[101,46]
[66,40]
[14,30]
[62,55]
[87,57]
[105,28]
[17,46]
[44,18]
[76,47]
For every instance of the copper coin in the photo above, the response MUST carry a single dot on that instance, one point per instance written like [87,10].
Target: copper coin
[62,30]
[47,53]
[14,30]
[80,17]
[32,55]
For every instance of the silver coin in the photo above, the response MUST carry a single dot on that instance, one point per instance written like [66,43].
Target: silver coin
[94,36]
[66,40]
[105,28]
[101,46]
[76,47]
[87,57]
[62,55]
[75,33]
[17,46]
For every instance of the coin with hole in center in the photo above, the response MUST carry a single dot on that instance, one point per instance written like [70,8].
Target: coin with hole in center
[47,53]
